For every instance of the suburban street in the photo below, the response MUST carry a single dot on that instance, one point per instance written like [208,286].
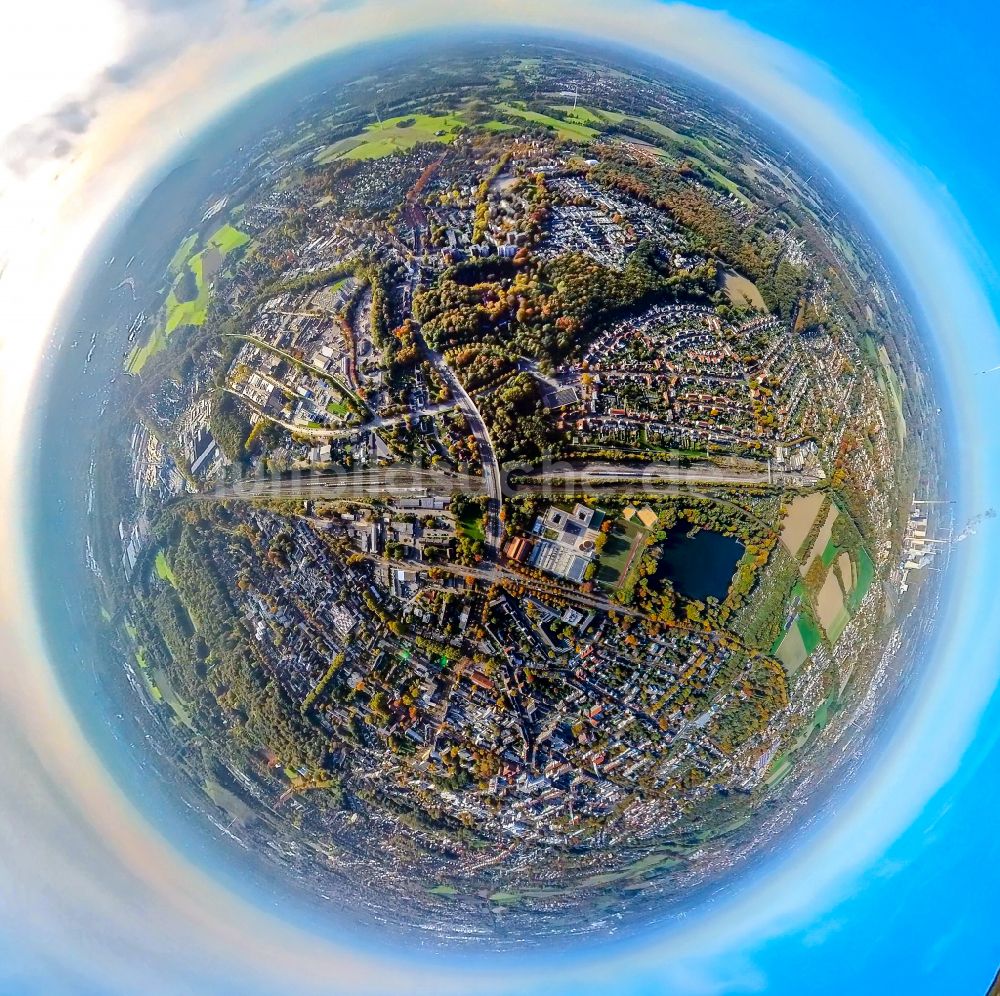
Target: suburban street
[493,572]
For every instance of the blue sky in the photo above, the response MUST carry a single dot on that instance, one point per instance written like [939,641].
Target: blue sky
[922,73]
[919,914]
[923,918]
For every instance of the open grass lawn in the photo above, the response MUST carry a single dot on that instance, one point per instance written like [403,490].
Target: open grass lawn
[170,696]
[566,129]
[163,571]
[791,650]
[857,575]
[497,126]
[890,380]
[138,357]
[696,149]
[228,239]
[829,554]
[182,254]
[194,311]
[811,636]
[615,555]
[472,526]
[338,149]
[822,716]
[589,116]
[688,145]
[849,574]
[505,898]
[633,876]
[397,134]
[782,765]
[732,187]
[144,670]
[666,132]
[823,537]
[801,638]
[838,625]
[866,572]
[229,801]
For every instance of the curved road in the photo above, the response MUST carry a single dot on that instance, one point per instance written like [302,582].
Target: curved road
[487,453]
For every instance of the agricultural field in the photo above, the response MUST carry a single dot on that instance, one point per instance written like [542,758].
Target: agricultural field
[830,606]
[801,638]
[740,291]
[835,567]
[799,520]
[822,539]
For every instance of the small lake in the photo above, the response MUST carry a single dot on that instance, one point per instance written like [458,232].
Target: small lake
[699,565]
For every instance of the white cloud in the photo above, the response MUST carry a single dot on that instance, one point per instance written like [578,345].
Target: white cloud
[52,51]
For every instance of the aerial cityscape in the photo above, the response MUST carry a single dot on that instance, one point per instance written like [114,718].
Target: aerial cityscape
[516,492]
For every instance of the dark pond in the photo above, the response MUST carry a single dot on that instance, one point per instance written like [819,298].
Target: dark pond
[699,565]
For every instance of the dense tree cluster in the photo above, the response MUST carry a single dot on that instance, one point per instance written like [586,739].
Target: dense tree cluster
[762,692]
[207,652]
[544,309]
[481,365]
[229,426]
[517,425]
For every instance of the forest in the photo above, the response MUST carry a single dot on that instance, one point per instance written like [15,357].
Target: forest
[543,308]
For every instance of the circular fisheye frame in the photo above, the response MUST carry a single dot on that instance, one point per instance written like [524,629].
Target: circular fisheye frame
[502,490]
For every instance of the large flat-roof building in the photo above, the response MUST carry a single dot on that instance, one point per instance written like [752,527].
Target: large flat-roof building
[567,541]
